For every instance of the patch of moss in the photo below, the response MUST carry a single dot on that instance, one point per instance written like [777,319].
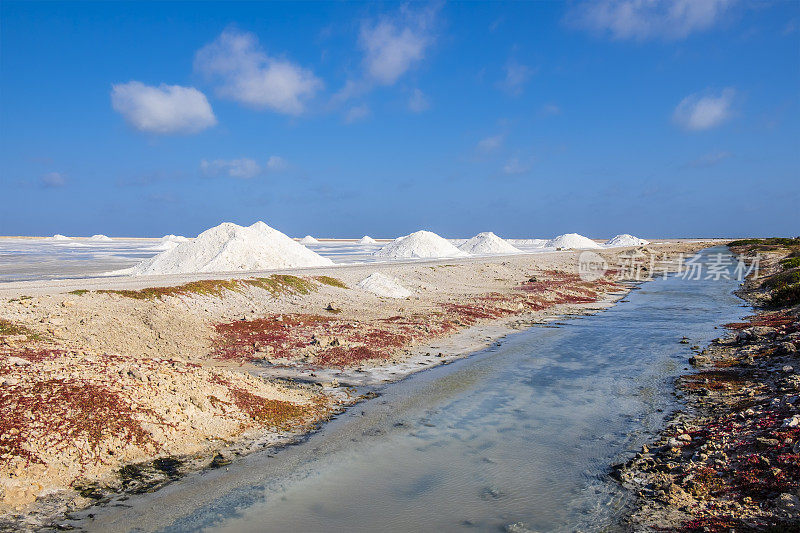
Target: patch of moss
[203,287]
[333,282]
[279,284]
[10,328]
[78,292]
[790,262]
[786,295]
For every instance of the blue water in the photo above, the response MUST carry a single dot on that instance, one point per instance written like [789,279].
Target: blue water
[521,433]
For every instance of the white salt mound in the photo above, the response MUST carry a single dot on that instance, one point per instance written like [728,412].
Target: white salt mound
[529,243]
[626,239]
[308,239]
[168,242]
[366,239]
[59,237]
[230,247]
[383,285]
[572,241]
[488,243]
[420,244]
[100,238]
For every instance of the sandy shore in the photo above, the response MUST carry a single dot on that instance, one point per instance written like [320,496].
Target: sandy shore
[105,381]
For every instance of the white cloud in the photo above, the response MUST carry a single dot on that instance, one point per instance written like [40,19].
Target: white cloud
[418,102]
[54,179]
[697,112]
[648,19]
[393,45]
[246,74]
[276,162]
[490,144]
[243,168]
[514,166]
[356,113]
[162,109]
[516,77]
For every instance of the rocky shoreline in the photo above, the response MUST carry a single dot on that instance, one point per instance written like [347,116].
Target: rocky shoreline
[730,460]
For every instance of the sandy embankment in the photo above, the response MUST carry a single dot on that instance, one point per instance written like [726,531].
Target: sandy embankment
[93,380]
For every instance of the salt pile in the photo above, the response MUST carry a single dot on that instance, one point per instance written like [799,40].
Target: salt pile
[626,239]
[366,239]
[528,243]
[420,244]
[100,238]
[230,247]
[572,241]
[488,243]
[59,237]
[168,242]
[308,239]
[383,285]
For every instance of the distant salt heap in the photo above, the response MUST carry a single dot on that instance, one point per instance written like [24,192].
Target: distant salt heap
[488,243]
[383,285]
[100,238]
[529,243]
[59,237]
[420,244]
[626,239]
[168,242]
[366,239]
[308,239]
[230,247]
[572,241]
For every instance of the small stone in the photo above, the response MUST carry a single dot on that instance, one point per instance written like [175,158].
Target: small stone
[791,422]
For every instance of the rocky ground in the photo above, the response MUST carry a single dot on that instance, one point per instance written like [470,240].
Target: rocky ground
[730,461]
[110,385]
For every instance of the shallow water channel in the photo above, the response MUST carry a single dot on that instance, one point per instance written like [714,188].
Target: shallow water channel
[523,432]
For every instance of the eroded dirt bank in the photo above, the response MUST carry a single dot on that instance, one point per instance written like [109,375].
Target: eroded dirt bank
[113,385]
[730,461]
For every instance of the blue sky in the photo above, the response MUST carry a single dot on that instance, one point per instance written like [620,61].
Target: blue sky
[339,119]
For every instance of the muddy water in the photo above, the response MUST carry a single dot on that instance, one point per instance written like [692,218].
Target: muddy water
[521,433]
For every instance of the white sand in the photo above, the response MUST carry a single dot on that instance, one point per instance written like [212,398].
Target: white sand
[308,239]
[366,239]
[488,243]
[383,285]
[573,241]
[420,244]
[230,247]
[625,239]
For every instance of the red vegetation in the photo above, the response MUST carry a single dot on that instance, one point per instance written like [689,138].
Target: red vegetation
[64,411]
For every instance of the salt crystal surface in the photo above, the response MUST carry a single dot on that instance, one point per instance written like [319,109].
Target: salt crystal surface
[488,243]
[529,243]
[230,247]
[100,238]
[308,239]
[366,239]
[625,239]
[572,241]
[420,244]
[383,285]
[59,237]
